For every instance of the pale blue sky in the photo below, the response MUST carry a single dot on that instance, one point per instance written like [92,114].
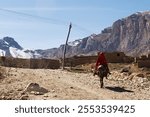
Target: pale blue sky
[89,16]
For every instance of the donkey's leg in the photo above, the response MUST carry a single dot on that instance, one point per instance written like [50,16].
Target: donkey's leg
[101,82]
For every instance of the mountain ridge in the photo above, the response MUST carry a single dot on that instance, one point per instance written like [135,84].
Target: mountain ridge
[130,35]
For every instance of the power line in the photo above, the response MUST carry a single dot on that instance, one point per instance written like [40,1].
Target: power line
[82,29]
[53,21]
[35,16]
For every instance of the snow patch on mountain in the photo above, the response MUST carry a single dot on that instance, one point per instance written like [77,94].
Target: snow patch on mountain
[6,42]
[75,43]
[37,55]
[2,53]
[17,53]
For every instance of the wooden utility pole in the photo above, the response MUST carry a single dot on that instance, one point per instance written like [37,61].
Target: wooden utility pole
[64,53]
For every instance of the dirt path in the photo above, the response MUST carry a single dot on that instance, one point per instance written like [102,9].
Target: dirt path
[69,85]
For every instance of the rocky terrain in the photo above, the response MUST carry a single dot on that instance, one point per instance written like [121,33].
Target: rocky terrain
[125,82]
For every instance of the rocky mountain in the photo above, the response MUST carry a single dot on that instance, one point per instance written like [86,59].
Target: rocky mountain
[6,44]
[130,35]
[9,47]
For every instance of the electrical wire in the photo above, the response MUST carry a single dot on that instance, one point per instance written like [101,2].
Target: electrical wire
[34,16]
[53,21]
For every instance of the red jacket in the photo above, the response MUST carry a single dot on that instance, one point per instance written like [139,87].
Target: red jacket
[101,60]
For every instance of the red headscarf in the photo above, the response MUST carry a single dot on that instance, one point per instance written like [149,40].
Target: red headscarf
[101,60]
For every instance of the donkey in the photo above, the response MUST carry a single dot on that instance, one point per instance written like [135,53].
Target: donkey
[102,72]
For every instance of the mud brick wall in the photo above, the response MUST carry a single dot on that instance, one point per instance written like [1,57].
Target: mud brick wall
[44,63]
[143,63]
[15,62]
[29,63]
[143,58]
[115,57]
[21,63]
[80,60]
[2,60]
[84,60]
[128,59]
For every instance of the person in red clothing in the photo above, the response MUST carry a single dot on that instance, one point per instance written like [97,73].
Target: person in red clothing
[101,61]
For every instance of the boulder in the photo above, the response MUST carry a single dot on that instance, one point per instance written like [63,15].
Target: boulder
[35,88]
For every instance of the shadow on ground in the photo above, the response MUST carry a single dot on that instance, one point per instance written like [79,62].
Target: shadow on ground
[118,89]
